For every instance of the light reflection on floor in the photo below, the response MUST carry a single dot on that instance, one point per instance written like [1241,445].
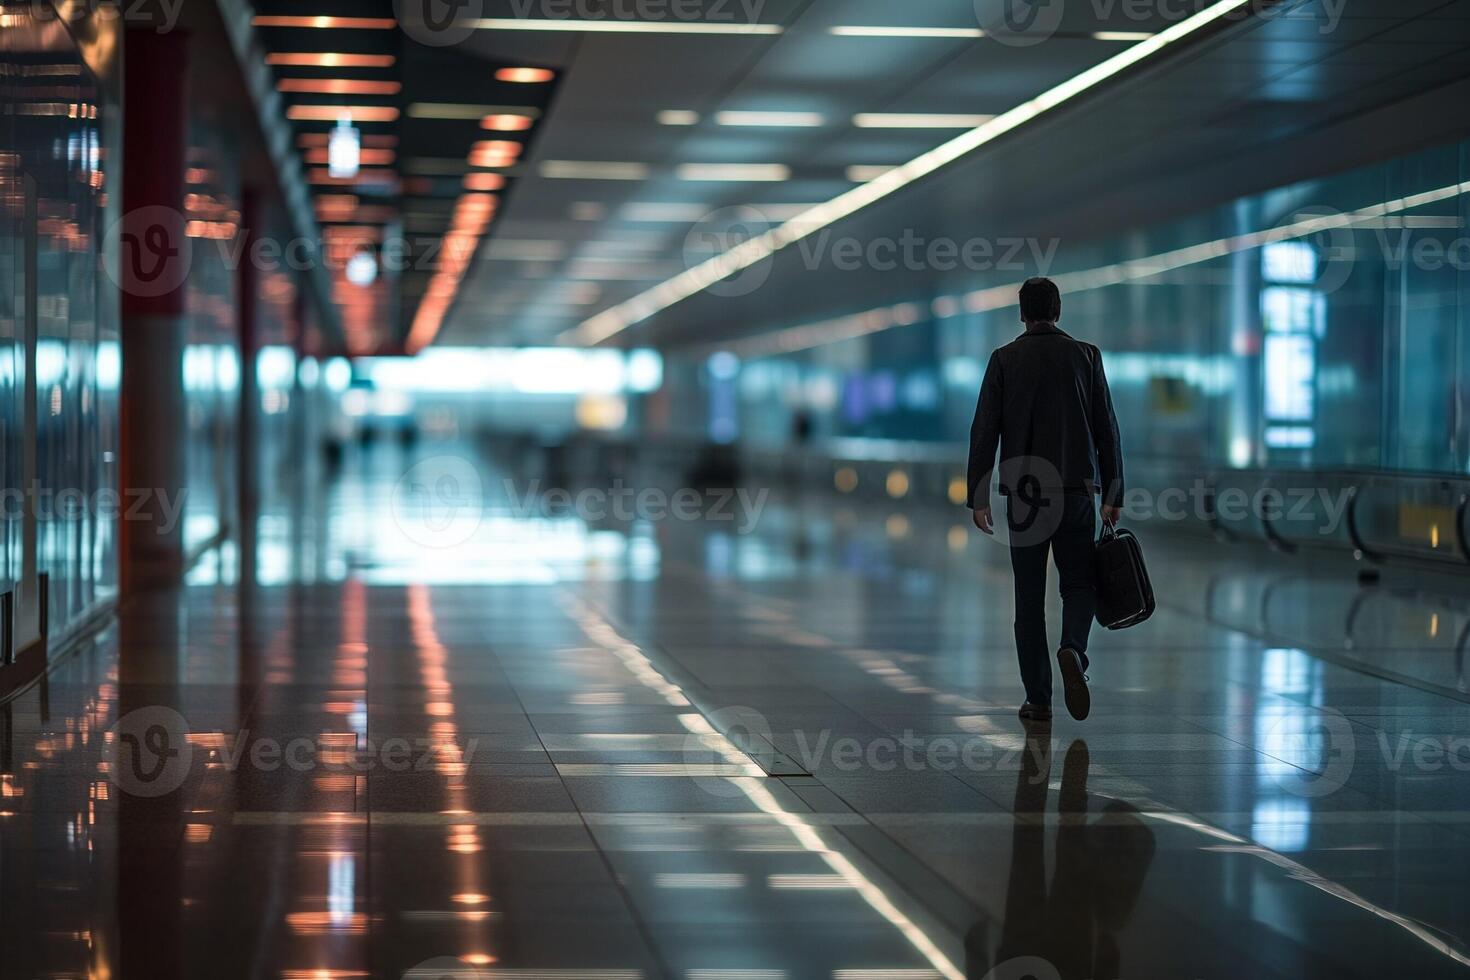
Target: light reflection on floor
[534,747]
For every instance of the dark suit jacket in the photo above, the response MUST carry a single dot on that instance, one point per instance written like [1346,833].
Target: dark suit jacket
[1045,403]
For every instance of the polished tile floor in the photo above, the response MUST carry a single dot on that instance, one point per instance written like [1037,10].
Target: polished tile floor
[525,746]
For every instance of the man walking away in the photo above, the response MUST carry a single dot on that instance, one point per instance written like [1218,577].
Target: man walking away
[1045,403]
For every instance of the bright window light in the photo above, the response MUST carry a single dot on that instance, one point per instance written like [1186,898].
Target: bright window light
[1289,262]
[275,367]
[1291,369]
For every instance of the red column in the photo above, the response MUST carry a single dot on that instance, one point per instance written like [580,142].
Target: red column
[153,266]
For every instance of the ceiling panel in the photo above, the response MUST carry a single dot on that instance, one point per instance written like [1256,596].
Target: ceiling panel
[1133,153]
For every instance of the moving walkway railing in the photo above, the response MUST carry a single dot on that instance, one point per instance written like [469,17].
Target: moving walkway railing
[1375,516]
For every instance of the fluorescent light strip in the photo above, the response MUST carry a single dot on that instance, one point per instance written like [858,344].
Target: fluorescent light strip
[849,30]
[593,170]
[677,117]
[622,26]
[733,171]
[656,211]
[991,298]
[1121,35]
[465,111]
[863,173]
[769,118]
[918,120]
[618,318]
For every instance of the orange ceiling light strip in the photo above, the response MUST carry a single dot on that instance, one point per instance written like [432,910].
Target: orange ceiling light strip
[506,123]
[472,214]
[375,141]
[525,75]
[343,23]
[494,153]
[339,86]
[373,178]
[319,156]
[331,113]
[483,182]
[329,59]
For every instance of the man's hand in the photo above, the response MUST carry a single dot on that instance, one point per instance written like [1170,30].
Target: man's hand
[1110,514]
[983,520]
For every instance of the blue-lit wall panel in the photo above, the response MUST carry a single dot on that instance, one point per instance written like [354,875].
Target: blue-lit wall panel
[1319,325]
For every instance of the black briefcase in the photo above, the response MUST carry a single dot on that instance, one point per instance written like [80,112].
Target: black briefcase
[1125,597]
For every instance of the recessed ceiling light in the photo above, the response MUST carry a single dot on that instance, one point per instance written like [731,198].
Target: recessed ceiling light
[733,171]
[593,170]
[329,59]
[460,110]
[918,120]
[692,281]
[622,26]
[1121,35]
[856,31]
[339,86]
[864,173]
[677,117]
[332,113]
[525,75]
[506,122]
[768,118]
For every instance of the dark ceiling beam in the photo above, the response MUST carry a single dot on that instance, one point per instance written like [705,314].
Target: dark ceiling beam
[280,147]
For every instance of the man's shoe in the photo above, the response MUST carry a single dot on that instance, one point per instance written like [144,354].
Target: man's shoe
[1035,712]
[1074,683]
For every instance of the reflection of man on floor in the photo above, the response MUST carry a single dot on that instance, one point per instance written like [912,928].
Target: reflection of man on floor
[1100,868]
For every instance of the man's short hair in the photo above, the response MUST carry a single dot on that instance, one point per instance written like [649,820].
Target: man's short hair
[1041,301]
